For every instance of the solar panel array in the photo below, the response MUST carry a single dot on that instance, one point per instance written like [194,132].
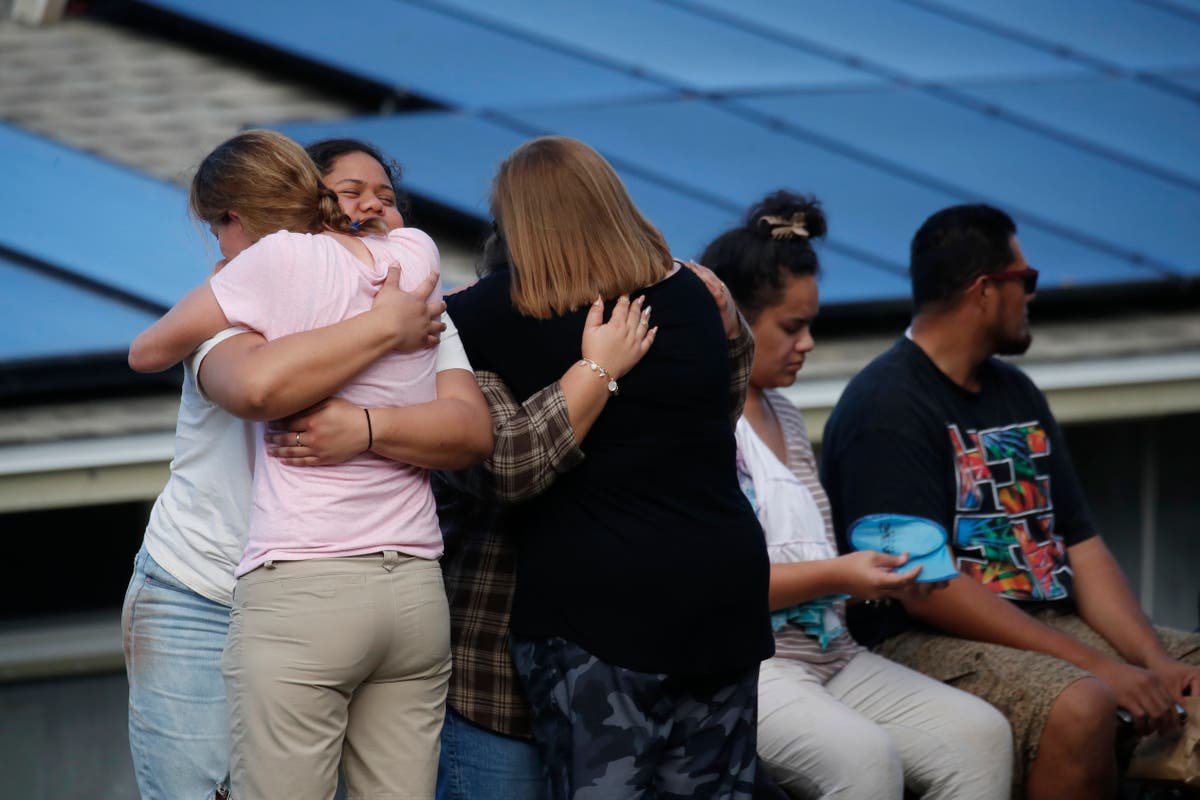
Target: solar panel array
[90,253]
[1079,117]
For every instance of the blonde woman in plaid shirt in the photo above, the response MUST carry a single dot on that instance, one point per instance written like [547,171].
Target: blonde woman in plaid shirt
[487,747]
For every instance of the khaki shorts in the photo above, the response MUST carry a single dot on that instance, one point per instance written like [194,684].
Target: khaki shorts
[1002,675]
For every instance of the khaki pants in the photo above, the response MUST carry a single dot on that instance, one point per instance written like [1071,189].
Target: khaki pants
[337,660]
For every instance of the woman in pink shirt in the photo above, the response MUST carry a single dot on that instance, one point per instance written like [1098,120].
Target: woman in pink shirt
[338,647]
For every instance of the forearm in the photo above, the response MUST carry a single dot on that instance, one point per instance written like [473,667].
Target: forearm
[440,434]
[967,609]
[452,432]
[802,581]
[179,332]
[151,352]
[534,440]
[1108,605]
[261,380]
[586,394]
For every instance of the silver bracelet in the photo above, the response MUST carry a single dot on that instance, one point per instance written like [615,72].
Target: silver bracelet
[603,373]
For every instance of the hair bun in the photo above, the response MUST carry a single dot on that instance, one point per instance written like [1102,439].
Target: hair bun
[786,215]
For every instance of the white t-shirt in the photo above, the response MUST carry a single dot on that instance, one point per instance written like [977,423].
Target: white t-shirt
[197,528]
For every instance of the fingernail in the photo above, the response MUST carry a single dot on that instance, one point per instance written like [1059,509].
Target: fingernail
[646,311]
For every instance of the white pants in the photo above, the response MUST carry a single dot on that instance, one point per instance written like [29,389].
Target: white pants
[875,727]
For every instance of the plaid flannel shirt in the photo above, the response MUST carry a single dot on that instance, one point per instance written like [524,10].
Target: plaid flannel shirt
[534,443]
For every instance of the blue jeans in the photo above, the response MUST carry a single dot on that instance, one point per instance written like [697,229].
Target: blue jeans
[477,764]
[178,717]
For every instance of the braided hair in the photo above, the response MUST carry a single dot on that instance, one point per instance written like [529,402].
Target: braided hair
[273,185]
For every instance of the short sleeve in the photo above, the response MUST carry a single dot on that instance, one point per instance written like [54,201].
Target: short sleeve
[417,254]
[266,288]
[197,357]
[450,352]
[883,471]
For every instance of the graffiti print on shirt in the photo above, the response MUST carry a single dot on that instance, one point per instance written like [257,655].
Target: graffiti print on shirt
[1004,518]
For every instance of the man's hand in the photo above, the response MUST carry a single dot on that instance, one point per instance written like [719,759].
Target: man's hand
[1180,679]
[413,320]
[720,292]
[1140,692]
[330,432]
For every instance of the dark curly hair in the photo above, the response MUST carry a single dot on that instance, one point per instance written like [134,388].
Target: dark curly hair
[326,152]
[773,242]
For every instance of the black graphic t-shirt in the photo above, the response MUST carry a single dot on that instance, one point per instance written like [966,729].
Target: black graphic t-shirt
[991,467]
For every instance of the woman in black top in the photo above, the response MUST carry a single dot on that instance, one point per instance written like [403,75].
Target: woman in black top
[640,614]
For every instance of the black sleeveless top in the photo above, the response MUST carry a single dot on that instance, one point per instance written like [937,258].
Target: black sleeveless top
[647,554]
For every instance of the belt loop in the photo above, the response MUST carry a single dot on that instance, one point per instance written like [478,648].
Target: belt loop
[390,559]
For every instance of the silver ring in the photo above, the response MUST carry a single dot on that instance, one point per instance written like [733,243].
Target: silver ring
[298,440]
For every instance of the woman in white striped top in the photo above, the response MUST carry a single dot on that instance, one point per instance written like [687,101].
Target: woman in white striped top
[835,720]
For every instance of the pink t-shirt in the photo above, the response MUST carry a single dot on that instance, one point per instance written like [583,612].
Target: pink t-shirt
[288,283]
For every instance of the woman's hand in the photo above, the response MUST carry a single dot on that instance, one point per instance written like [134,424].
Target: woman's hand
[330,432]
[720,292]
[620,343]
[871,575]
[412,319]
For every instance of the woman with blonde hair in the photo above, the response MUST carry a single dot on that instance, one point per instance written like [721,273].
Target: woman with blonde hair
[338,648]
[640,613]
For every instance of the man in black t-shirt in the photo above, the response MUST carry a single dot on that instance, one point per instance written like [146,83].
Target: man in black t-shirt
[1041,623]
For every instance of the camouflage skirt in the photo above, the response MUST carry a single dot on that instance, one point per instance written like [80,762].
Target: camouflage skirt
[609,732]
[1022,684]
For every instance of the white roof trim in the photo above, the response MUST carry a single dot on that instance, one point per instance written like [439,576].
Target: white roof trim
[1049,377]
[1096,373]
[102,451]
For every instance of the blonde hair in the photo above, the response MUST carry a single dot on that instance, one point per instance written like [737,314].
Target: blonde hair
[571,229]
[271,182]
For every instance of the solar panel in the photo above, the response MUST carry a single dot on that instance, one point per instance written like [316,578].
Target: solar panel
[674,45]
[872,210]
[124,230]
[1189,79]
[905,40]
[451,158]
[1081,194]
[425,51]
[45,317]
[1129,118]
[1127,35]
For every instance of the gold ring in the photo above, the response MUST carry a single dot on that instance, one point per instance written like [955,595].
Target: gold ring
[298,440]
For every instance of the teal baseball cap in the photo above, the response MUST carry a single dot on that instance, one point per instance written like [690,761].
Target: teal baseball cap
[895,534]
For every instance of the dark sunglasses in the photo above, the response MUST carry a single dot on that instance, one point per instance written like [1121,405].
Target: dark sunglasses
[1029,276]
